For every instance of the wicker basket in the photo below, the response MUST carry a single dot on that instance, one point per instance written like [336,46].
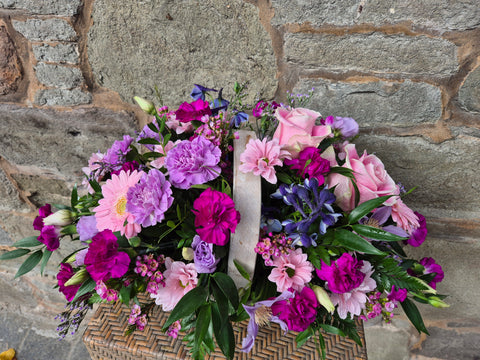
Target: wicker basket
[105,340]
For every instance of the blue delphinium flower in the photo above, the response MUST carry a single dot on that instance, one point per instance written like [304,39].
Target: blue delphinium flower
[239,118]
[313,204]
[199,92]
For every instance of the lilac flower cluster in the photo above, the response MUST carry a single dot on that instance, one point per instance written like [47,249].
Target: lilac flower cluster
[312,203]
[273,246]
[148,267]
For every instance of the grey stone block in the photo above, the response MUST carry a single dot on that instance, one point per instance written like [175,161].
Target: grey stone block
[469,94]
[376,103]
[372,53]
[44,7]
[173,45]
[60,53]
[62,140]
[59,76]
[388,341]
[45,30]
[8,194]
[431,14]
[62,97]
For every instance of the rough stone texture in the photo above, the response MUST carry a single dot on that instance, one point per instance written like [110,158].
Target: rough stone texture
[10,65]
[469,94]
[52,190]
[62,97]
[372,53]
[58,76]
[60,53]
[135,47]
[446,344]
[59,140]
[439,170]
[45,30]
[44,7]
[437,15]
[398,333]
[376,103]
[9,195]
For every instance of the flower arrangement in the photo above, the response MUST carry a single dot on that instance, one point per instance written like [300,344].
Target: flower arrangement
[157,213]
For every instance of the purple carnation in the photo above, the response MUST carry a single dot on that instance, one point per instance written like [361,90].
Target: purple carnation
[347,127]
[103,260]
[87,227]
[432,267]
[43,212]
[150,198]
[343,274]
[204,259]
[419,234]
[50,236]
[193,162]
[115,156]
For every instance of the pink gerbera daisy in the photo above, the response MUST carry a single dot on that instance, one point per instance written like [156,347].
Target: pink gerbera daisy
[291,270]
[111,212]
[260,157]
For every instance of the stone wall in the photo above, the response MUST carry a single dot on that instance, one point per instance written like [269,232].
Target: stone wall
[408,71]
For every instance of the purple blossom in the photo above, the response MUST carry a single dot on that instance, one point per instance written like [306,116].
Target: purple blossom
[261,314]
[397,295]
[347,127]
[193,162]
[380,217]
[66,272]
[87,227]
[80,258]
[204,258]
[299,312]
[310,162]
[419,234]
[343,274]
[432,267]
[115,156]
[199,91]
[148,133]
[150,198]
[193,111]
[43,212]
[50,236]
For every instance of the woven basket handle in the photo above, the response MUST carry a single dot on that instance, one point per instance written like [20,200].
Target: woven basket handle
[247,195]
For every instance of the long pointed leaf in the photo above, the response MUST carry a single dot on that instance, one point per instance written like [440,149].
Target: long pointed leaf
[203,323]
[14,254]
[223,333]
[30,263]
[45,258]
[30,241]
[365,208]
[375,233]
[414,315]
[354,242]
[226,284]
[188,304]
[86,287]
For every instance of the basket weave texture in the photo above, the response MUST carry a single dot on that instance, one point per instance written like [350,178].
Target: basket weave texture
[105,340]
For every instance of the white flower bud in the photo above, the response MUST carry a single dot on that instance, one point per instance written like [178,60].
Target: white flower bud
[323,298]
[60,218]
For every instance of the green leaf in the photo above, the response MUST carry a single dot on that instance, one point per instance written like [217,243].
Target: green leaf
[95,186]
[375,233]
[45,258]
[29,241]
[204,318]
[69,230]
[152,154]
[86,287]
[284,178]
[332,329]
[354,242]
[223,333]
[241,270]
[188,304]
[365,208]
[220,299]
[30,263]
[74,197]
[414,315]
[227,286]
[166,139]
[304,336]
[149,141]
[14,254]
[125,292]
[342,171]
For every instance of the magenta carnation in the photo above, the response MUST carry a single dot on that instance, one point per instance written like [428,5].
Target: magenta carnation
[310,162]
[50,236]
[343,274]
[298,313]
[215,216]
[43,212]
[193,111]
[432,267]
[193,162]
[66,272]
[150,198]
[419,234]
[103,260]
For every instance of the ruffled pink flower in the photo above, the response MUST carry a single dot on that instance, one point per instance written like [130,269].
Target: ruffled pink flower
[404,216]
[160,162]
[111,212]
[292,270]
[261,156]
[353,301]
[215,216]
[180,278]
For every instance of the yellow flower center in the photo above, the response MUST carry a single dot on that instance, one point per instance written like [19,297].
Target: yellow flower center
[263,315]
[373,223]
[121,205]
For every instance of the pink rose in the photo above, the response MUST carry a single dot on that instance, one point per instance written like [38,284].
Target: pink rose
[370,176]
[297,130]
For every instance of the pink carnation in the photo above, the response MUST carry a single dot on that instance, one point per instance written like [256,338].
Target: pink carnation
[180,279]
[111,212]
[404,216]
[292,270]
[260,157]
